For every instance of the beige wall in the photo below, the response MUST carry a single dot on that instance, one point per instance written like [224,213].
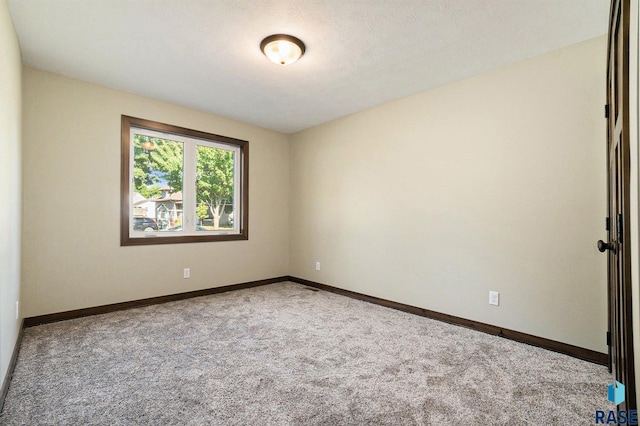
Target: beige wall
[71,171]
[492,183]
[10,125]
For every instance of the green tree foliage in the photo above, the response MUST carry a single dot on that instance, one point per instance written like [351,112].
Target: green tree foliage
[214,187]
[144,181]
[166,159]
[162,160]
[202,211]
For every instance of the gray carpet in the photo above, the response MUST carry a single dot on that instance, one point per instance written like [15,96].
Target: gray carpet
[284,355]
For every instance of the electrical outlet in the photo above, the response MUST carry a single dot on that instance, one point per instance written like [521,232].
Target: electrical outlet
[17,309]
[187,272]
[494,298]
[317,266]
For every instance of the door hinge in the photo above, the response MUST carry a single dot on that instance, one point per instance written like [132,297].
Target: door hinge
[607,224]
[619,226]
[606,111]
[608,338]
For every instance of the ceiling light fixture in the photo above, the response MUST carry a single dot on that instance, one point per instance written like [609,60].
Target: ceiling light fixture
[282,49]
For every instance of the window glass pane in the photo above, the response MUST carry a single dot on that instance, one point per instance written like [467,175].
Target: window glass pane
[215,177]
[158,174]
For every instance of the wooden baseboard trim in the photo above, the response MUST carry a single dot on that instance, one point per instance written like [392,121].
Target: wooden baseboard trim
[105,309]
[541,342]
[12,365]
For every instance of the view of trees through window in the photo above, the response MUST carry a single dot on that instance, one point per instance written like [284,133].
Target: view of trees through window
[181,185]
[158,179]
[214,183]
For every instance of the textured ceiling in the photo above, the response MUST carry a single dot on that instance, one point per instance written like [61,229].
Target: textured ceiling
[360,53]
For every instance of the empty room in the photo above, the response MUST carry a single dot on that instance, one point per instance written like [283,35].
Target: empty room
[289,212]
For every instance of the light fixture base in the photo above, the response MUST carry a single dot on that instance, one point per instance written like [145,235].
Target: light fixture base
[282,49]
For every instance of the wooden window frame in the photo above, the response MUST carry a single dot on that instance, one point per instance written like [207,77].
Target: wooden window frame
[126,211]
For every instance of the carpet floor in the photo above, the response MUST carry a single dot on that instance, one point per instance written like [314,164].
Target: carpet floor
[282,354]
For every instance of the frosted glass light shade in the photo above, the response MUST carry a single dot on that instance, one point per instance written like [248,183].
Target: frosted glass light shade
[282,49]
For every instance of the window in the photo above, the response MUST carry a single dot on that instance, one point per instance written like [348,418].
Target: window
[181,186]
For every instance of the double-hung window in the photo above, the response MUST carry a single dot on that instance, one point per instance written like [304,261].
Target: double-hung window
[181,186]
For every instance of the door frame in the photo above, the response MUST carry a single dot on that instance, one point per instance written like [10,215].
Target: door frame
[620,301]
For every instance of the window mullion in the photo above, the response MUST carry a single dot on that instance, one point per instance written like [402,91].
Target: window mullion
[188,190]
[237,184]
